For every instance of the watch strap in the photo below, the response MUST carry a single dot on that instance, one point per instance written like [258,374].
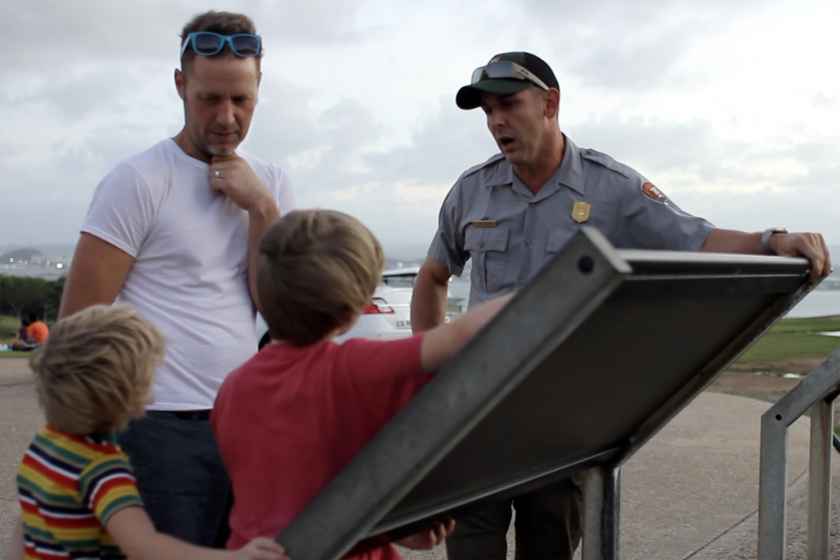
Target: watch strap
[765,239]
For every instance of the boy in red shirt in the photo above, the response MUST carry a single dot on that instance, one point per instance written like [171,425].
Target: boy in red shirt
[289,419]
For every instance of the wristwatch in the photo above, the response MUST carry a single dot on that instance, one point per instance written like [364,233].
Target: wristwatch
[765,239]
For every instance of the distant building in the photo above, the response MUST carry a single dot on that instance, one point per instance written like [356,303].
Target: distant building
[32,262]
[27,255]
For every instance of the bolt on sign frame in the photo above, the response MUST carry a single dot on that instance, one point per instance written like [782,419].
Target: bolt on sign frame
[592,358]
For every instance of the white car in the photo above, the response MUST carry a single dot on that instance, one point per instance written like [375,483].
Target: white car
[386,317]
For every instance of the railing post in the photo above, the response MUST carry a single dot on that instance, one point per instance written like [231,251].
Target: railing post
[819,478]
[772,490]
[601,513]
[816,392]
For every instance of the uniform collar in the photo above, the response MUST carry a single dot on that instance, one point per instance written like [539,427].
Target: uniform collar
[569,174]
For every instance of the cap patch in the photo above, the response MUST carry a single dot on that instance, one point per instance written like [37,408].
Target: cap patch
[653,192]
[496,58]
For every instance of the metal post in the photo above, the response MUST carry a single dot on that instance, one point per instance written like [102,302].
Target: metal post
[601,513]
[819,479]
[816,392]
[772,486]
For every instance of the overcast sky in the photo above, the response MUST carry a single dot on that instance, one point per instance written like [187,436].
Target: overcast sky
[730,108]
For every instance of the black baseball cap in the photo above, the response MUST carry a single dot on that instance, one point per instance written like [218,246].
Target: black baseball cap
[469,97]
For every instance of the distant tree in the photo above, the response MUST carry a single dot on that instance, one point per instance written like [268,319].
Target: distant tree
[22,295]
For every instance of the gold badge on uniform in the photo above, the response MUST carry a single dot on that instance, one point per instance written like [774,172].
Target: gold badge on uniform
[580,211]
[485,223]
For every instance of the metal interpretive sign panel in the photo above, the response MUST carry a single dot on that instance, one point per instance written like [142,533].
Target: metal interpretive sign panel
[595,355]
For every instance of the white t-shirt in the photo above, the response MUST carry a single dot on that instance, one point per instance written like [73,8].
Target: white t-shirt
[190,274]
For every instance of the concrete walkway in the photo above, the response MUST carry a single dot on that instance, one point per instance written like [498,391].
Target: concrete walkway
[690,493]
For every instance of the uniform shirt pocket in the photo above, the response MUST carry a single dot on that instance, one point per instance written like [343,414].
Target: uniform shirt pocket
[487,247]
[557,238]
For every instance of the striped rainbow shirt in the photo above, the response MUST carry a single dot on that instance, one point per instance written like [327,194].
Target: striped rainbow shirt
[69,486]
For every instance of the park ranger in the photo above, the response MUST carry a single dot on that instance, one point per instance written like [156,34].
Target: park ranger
[510,215]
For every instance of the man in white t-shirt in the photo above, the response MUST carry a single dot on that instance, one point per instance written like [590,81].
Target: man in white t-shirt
[173,231]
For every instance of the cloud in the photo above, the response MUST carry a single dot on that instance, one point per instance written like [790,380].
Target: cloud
[8,149]
[660,145]
[694,155]
[445,146]
[336,159]
[614,44]
[79,93]
[97,30]
[315,23]
[824,101]
[75,33]
[340,151]
[357,100]
[797,210]
[735,184]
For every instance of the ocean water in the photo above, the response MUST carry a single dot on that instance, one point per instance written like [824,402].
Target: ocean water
[819,303]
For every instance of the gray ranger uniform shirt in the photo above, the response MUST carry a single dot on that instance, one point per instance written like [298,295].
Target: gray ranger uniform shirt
[510,233]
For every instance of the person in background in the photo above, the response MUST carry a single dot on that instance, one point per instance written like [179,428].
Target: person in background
[21,336]
[173,231]
[37,332]
[77,490]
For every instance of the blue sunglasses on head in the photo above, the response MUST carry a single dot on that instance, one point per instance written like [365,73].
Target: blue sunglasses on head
[208,43]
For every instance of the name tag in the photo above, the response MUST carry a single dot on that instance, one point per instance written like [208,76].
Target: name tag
[485,223]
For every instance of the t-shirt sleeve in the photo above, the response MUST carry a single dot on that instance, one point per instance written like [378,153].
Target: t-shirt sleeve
[122,210]
[448,244]
[653,221]
[108,485]
[382,375]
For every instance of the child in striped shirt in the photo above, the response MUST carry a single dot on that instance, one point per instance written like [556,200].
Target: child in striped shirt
[78,494]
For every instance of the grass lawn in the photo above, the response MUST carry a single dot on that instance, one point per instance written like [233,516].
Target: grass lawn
[8,327]
[14,354]
[792,339]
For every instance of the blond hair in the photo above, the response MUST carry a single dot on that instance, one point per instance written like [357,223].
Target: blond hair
[95,371]
[317,271]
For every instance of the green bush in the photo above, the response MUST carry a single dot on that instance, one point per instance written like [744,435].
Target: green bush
[20,296]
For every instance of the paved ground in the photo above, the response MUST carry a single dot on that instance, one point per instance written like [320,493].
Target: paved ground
[690,493]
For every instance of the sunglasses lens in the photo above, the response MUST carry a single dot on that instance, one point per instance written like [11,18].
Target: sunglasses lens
[477,73]
[245,45]
[500,69]
[207,43]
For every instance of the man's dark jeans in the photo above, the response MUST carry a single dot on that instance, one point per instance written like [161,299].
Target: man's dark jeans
[548,525]
[181,476]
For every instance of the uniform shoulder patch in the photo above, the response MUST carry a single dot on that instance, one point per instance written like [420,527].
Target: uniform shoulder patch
[607,161]
[476,168]
[653,192]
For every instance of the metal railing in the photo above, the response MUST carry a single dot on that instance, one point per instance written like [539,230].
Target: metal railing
[816,392]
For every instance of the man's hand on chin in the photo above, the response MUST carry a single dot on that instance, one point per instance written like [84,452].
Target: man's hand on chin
[236,179]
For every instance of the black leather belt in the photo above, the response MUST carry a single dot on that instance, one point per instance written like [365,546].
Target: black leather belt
[203,414]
